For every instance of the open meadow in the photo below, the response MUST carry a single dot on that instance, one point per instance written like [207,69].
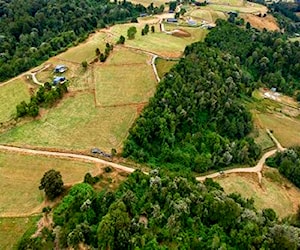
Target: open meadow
[159,43]
[208,15]
[20,177]
[12,94]
[247,8]
[276,192]
[75,124]
[121,82]
[163,66]
[12,229]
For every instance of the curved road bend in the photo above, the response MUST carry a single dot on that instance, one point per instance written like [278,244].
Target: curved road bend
[66,155]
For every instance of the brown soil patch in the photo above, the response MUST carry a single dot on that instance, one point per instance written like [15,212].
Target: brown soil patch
[267,22]
[181,33]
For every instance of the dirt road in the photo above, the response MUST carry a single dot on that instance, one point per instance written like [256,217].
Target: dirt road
[66,155]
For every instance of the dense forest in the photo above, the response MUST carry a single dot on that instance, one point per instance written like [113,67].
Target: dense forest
[159,211]
[31,31]
[267,56]
[288,164]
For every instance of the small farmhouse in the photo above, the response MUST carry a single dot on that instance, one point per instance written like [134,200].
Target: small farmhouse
[172,20]
[60,69]
[59,79]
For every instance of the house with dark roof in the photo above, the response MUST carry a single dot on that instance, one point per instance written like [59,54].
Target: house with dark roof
[59,79]
[60,69]
[172,20]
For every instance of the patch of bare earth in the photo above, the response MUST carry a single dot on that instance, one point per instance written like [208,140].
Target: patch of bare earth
[181,33]
[257,22]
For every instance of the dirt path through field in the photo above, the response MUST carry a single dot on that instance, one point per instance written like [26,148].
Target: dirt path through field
[256,169]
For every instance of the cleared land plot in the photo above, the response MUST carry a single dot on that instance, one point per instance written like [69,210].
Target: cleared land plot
[228,2]
[124,56]
[282,196]
[86,51]
[12,229]
[268,22]
[75,124]
[12,94]
[248,8]
[146,3]
[126,84]
[285,129]
[207,15]
[264,140]
[163,66]
[158,42]
[20,177]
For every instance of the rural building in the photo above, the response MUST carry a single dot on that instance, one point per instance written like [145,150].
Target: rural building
[143,14]
[172,20]
[59,79]
[60,69]
[192,22]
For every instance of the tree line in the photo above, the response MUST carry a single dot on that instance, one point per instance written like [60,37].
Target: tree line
[196,119]
[46,96]
[32,31]
[268,57]
[161,211]
[288,164]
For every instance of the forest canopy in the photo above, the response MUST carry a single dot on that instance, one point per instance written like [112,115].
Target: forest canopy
[31,31]
[161,211]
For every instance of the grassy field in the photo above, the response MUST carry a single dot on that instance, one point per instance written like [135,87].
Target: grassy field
[208,15]
[20,177]
[86,51]
[286,129]
[126,84]
[159,43]
[276,192]
[264,140]
[12,94]
[163,66]
[228,2]
[75,124]
[248,8]
[12,229]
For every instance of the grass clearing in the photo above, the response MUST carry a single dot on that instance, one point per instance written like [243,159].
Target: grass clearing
[285,129]
[268,22]
[20,177]
[12,94]
[75,124]
[264,140]
[247,8]
[283,197]
[86,51]
[126,84]
[124,56]
[158,42]
[12,229]
[163,66]
[228,2]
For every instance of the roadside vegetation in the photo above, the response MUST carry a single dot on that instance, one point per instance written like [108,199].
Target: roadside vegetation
[12,229]
[145,213]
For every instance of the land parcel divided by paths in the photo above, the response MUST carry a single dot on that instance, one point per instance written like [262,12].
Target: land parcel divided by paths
[126,78]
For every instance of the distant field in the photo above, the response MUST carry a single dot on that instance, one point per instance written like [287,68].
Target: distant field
[124,56]
[264,140]
[286,129]
[248,8]
[12,94]
[228,2]
[163,66]
[159,43]
[117,85]
[85,51]
[20,177]
[208,15]
[12,229]
[273,193]
[268,22]
[75,124]
[146,3]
